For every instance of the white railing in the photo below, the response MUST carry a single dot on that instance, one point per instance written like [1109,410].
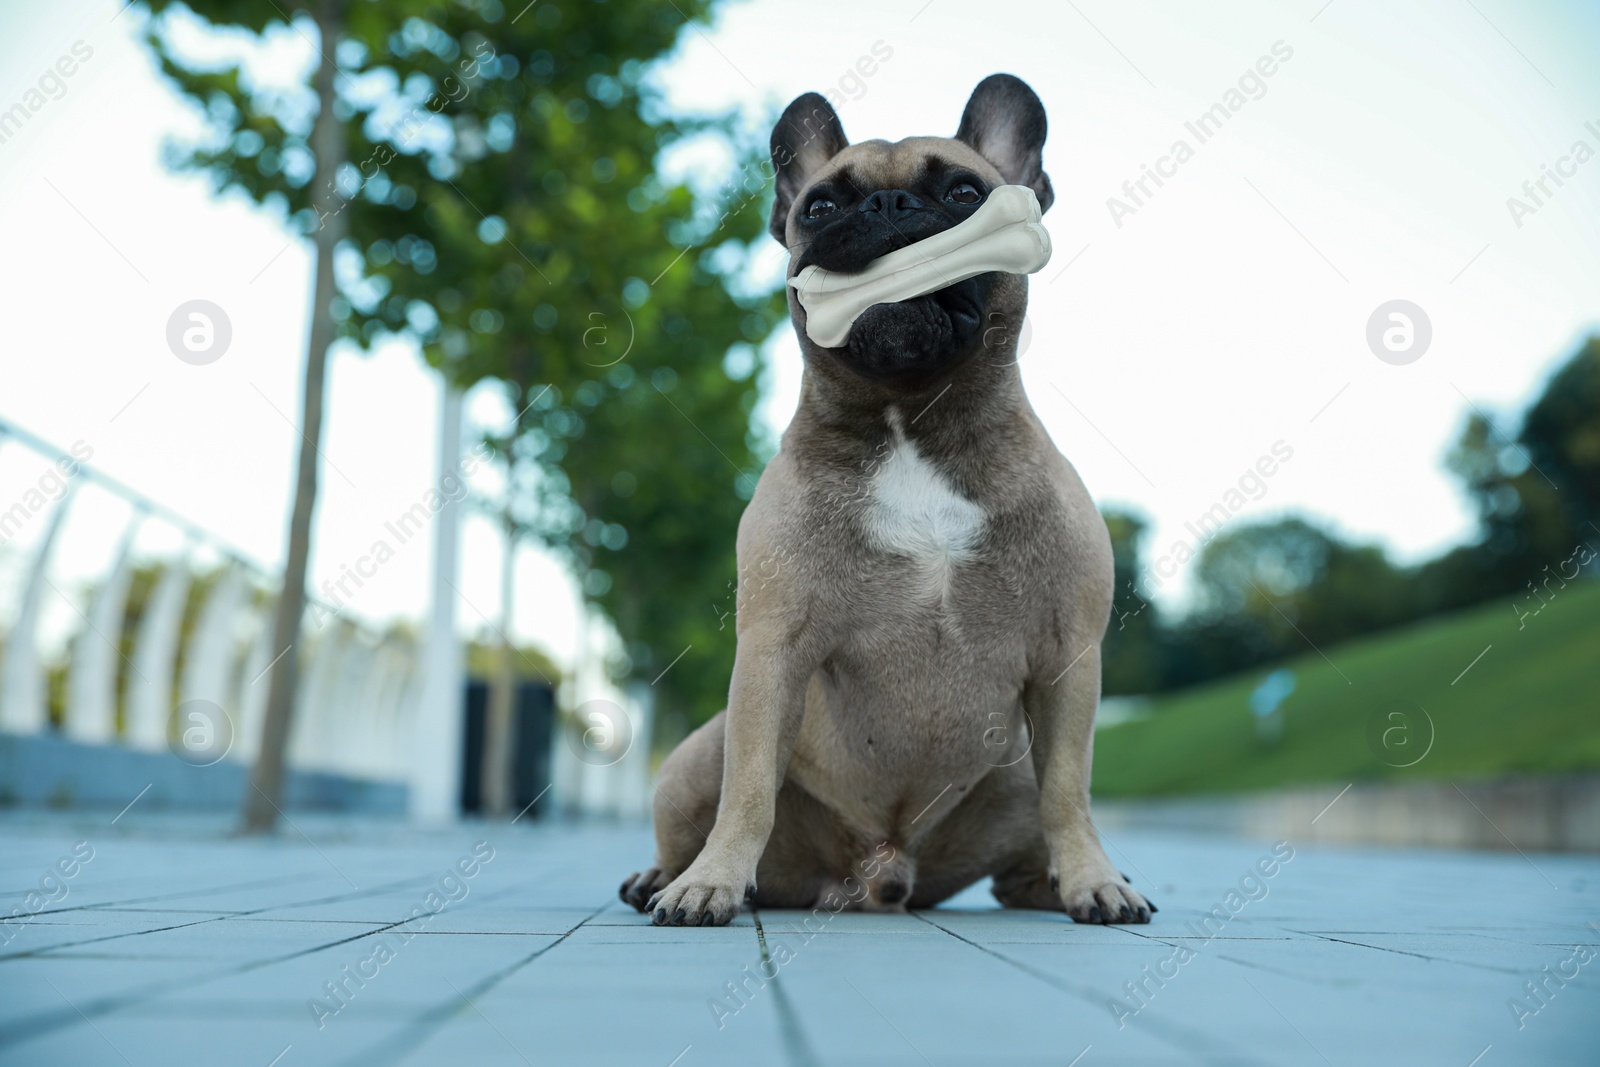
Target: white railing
[600,761]
[358,685]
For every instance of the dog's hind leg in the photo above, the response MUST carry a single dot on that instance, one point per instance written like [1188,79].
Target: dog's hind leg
[806,849]
[684,810]
[1027,883]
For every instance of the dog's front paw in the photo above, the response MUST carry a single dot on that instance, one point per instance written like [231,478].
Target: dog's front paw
[1102,897]
[638,888]
[697,898]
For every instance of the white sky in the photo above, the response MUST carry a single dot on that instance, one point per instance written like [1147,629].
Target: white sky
[1211,324]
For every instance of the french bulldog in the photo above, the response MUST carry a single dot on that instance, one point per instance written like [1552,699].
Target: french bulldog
[924,583]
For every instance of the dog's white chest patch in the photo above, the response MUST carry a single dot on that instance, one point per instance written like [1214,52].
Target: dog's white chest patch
[913,511]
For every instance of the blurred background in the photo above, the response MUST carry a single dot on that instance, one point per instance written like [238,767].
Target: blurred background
[384,381]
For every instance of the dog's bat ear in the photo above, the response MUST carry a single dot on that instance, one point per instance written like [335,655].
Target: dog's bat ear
[1004,121]
[807,135]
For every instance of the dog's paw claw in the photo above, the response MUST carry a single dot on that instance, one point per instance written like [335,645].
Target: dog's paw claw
[1105,901]
[640,890]
[690,902]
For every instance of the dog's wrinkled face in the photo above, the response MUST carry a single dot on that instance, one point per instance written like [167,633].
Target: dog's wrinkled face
[841,206]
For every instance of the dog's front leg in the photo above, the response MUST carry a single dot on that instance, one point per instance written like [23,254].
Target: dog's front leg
[766,703]
[1062,717]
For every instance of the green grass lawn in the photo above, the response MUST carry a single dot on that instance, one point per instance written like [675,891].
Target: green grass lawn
[1530,705]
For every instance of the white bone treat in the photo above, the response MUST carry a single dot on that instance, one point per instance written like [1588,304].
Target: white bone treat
[1004,234]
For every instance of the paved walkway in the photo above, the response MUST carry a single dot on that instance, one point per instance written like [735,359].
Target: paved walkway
[167,943]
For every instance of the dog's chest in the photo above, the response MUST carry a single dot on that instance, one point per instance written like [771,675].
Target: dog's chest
[912,511]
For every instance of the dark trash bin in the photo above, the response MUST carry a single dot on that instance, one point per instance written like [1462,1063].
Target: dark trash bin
[530,766]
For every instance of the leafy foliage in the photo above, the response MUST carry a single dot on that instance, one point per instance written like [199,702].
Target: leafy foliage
[505,210]
[1269,590]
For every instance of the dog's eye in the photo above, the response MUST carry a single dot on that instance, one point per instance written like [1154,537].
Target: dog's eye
[963,193]
[821,206]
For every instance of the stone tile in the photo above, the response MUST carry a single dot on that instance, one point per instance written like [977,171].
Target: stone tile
[498,919]
[44,988]
[1377,956]
[223,940]
[418,973]
[118,1040]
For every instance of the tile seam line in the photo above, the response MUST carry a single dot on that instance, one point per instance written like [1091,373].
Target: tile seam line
[34,953]
[793,1054]
[1178,1037]
[1262,969]
[261,884]
[109,1005]
[1418,955]
[434,1019]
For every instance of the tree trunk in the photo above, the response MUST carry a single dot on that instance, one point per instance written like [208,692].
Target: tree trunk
[501,735]
[264,799]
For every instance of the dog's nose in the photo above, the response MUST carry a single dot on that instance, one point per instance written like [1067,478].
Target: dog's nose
[892,204]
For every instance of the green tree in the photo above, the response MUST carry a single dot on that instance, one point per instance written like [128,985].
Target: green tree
[266,144]
[1268,590]
[1537,494]
[544,249]
[487,184]
[1133,660]
[1561,435]
[1272,589]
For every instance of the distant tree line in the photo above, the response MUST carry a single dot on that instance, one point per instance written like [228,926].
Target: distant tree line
[1268,590]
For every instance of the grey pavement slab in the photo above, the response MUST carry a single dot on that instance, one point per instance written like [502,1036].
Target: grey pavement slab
[370,942]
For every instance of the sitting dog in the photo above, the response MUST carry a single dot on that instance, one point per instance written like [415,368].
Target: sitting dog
[924,585]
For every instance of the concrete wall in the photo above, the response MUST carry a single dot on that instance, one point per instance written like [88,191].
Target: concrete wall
[1555,814]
